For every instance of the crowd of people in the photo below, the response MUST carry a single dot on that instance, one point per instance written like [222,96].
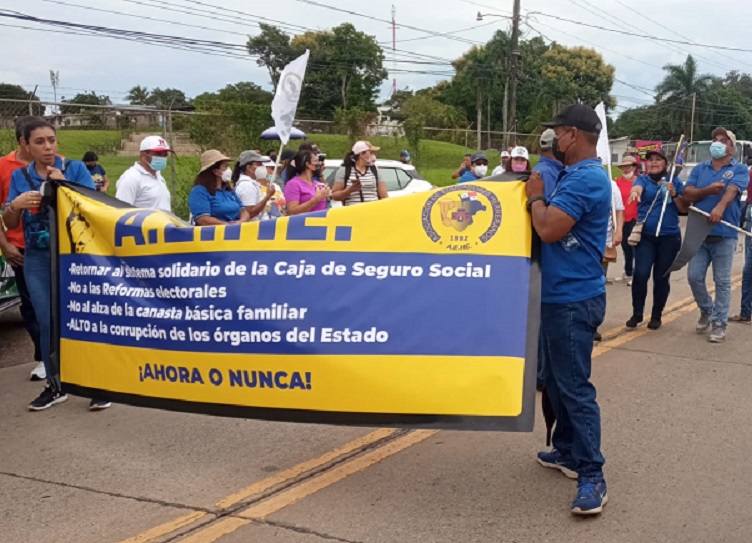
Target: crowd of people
[579,213]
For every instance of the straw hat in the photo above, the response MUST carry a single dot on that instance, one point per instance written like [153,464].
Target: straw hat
[210,158]
[627,161]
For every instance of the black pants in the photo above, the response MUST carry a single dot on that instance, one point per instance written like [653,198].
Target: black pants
[654,254]
[626,248]
[27,311]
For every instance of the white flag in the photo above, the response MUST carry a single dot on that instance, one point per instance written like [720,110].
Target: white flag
[603,148]
[286,98]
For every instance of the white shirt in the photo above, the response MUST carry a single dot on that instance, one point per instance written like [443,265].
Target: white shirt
[498,170]
[139,188]
[617,204]
[249,192]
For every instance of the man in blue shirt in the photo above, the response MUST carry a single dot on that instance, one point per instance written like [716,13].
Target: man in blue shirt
[478,168]
[572,225]
[716,186]
[548,166]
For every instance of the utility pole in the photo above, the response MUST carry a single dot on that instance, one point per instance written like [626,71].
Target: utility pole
[479,107]
[55,80]
[394,47]
[488,122]
[514,67]
[692,123]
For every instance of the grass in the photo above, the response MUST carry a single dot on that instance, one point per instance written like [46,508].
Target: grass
[436,162]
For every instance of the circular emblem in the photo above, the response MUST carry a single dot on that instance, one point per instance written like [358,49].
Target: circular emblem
[291,86]
[461,217]
[728,175]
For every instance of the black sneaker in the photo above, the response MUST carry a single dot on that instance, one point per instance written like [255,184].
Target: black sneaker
[99,405]
[597,336]
[654,323]
[47,399]
[634,320]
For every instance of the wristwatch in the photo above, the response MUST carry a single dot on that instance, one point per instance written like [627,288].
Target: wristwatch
[532,200]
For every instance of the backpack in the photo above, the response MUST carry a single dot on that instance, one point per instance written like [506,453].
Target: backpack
[348,171]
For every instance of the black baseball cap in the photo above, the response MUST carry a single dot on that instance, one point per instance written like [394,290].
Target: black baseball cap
[578,115]
[655,152]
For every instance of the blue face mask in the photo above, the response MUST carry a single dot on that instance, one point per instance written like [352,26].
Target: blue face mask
[158,163]
[717,150]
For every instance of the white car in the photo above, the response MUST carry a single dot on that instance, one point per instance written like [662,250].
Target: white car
[401,179]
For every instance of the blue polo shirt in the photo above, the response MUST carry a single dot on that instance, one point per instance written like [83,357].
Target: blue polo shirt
[37,225]
[549,170]
[467,177]
[733,173]
[223,204]
[571,267]
[650,190]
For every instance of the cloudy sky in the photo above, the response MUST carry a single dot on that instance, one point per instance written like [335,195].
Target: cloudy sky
[89,62]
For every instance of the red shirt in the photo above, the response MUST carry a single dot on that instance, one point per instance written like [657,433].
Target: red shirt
[625,187]
[9,164]
[749,187]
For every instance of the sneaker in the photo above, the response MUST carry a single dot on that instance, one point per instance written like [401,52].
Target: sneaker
[47,399]
[591,497]
[739,318]
[597,336]
[703,323]
[629,281]
[99,405]
[654,323]
[717,334]
[38,373]
[633,321]
[555,460]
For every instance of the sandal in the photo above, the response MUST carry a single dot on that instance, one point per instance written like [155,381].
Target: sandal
[739,318]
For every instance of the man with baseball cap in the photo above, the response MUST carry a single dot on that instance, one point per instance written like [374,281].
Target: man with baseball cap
[503,163]
[572,224]
[142,185]
[478,168]
[716,186]
[548,166]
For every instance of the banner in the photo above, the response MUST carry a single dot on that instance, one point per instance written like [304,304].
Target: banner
[414,311]
[286,96]
[698,228]
[643,147]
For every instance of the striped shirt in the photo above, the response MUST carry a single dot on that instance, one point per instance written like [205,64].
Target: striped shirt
[369,190]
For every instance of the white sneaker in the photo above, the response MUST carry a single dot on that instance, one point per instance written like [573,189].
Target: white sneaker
[38,373]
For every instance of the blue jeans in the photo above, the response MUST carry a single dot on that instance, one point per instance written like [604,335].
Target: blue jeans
[27,311]
[37,275]
[567,336]
[720,253]
[629,251]
[653,254]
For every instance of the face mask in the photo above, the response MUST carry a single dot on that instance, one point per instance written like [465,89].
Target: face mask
[519,167]
[558,153]
[717,150]
[657,176]
[269,178]
[480,170]
[158,163]
[371,161]
[629,175]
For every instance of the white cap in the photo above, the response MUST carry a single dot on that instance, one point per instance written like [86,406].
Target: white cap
[547,138]
[269,164]
[154,143]
[361,146]
[505,154]
[520,152]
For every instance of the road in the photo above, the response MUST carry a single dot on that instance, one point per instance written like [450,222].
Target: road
[675,436]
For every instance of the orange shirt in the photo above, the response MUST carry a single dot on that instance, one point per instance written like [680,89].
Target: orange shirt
[9,164]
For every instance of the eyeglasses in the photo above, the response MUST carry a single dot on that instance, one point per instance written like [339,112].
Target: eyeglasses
[481,162]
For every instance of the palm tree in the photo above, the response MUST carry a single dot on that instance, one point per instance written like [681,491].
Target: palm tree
[138,95]
[681,82]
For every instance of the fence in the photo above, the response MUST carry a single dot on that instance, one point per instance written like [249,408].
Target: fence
[114,133]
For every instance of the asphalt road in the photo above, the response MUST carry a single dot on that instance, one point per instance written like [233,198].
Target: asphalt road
[675,436]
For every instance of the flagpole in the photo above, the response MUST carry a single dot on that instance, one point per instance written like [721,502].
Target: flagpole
[670,180]
[276,165]
[724,223]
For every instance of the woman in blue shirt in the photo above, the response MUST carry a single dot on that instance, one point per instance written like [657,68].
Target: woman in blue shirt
[24,199]
[212,201]
[655,253]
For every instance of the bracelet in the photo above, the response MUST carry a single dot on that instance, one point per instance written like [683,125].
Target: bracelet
[532,200]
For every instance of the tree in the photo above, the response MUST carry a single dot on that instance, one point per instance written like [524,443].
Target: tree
[353,122]
[421,111]
[244,92]
[272,46]
[577,73]
[138,95]
[11,109]
[680,83]
[85,98]
[167,99]
[396,101]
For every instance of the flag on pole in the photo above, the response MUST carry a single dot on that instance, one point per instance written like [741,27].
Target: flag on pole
[603,148]
[286,97]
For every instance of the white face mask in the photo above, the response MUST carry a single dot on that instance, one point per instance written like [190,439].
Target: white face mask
[629,175]
[480,170]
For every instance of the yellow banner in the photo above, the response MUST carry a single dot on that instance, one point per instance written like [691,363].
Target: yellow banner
[412,311]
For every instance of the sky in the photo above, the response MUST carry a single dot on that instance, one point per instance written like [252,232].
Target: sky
[88,62]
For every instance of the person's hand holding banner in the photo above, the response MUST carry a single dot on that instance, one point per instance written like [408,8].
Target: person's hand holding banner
[535,185]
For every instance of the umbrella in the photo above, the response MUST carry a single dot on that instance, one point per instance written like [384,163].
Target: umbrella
[271,134]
